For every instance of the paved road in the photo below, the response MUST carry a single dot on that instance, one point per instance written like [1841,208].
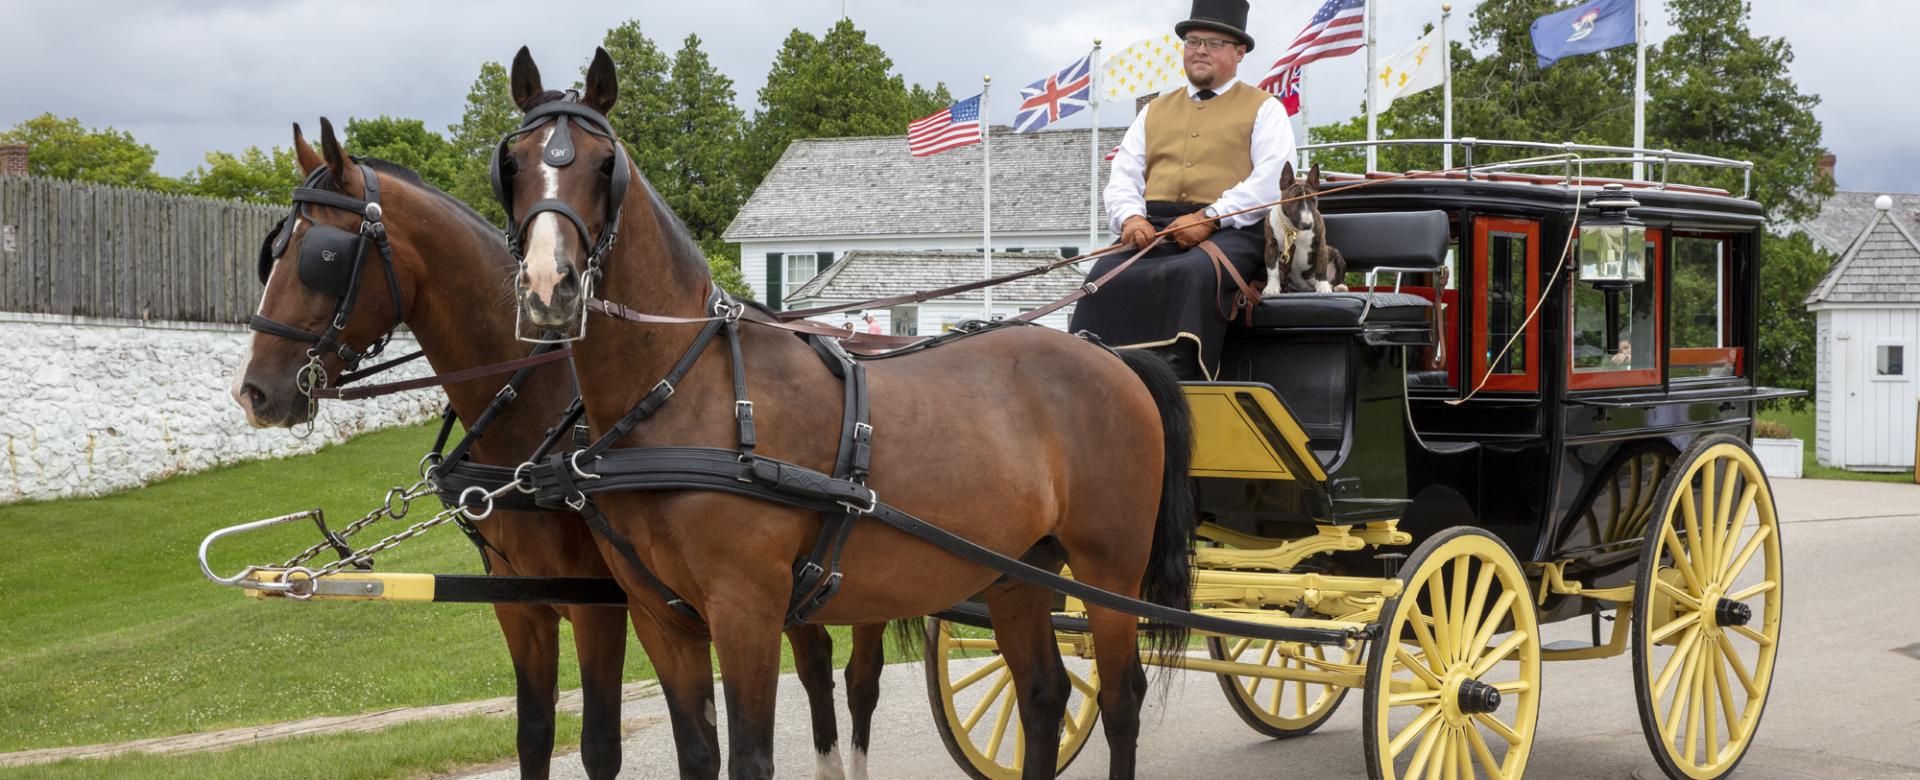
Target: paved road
[1845,704]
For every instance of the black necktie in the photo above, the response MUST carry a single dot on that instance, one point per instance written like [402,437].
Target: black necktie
[1205,94]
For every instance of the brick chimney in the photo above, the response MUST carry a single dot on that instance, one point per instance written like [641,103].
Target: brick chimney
[13,160]
[1826,166]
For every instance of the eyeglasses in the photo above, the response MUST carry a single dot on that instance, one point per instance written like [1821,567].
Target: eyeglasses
[1212,44]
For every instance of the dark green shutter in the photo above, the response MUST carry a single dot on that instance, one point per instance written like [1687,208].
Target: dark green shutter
[821,261]
[1016,249]
[773,280]
[1069,251]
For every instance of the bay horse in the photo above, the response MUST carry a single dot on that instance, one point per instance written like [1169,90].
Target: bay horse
[434,235]
[1024,440]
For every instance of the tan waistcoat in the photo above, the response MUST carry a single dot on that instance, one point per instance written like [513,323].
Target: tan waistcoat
[1197,150]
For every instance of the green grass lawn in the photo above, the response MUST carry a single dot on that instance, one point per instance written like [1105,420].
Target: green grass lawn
[1802,425]
[108,632]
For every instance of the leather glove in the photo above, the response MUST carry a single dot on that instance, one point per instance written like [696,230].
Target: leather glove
[1190,230]
[1136,231]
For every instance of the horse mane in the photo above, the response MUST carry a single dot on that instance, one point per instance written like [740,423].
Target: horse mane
[408,175]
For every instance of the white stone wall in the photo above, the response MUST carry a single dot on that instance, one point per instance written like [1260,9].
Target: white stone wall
[94,406]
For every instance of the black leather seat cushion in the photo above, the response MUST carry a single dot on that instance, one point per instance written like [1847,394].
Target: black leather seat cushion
[1339,310]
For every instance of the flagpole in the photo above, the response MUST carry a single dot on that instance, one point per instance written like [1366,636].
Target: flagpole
[1306,128]
[986,198]
[1093,144]
[1639,90]
[1373,85]
[1446,65]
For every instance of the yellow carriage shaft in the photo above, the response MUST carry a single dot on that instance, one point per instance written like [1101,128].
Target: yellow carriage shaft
[438,588]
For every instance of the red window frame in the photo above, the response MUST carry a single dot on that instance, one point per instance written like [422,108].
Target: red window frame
[1483,228]
[1736,356]
[1644,377]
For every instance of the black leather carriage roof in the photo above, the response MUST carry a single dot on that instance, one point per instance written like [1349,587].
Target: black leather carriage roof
[1340,311]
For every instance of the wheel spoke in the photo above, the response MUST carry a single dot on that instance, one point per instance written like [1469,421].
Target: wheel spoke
[1492,623]
[1670,727]
[1000,721]
[1457,617]
[1743,595]
[998,662]
[1419,726]
[1746,554]
[1279,687]
[1239,646]
[1738,523]
[980,708]
[1475,617]
[1675,662]
[1418,697]
[1419,669]
[1425,751]
[1443,631]
[1484,755]
[1695,711]
[1444,768]
[1762,639]
[1739,667]
[1505,731]
[1726,702]
[1460,752]
[1685,599]
[1709,725]
[1299,699]
[1673,626]
[1428,646]
[1670,540]
[1692,518]
[1717,538]
[1500,653]
[1086,686]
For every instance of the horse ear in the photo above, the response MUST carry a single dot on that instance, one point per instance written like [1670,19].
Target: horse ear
[1313,177]
[525,79]
[602,86]
[304,153]
[346,175]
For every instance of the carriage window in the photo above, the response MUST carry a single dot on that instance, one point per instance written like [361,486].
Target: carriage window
[1506,285]
[1615,333]
[1698,317]
[800,268]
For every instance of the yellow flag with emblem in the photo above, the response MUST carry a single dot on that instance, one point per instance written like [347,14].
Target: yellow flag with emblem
[1410,70]
[1146,66]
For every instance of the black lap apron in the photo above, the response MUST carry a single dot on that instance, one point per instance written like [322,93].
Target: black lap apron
[1172,294]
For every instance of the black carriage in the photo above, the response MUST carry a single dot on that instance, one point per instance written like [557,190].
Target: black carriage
[1507,421]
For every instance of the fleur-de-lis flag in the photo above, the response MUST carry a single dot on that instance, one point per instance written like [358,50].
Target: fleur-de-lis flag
[1146,66]
[1410,70]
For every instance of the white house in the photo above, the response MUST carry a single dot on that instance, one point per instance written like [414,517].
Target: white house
[827,197]
[866,274]
[1867,311]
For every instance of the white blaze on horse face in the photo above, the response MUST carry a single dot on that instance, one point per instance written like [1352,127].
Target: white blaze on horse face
[543,263]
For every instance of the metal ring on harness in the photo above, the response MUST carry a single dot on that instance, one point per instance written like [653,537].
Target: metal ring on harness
[520,480]
[298,590]
[406,503]
[430,467]
[469,512]
[573,461]
[873,502]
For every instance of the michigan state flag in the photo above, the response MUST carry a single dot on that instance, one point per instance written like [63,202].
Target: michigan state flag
[1583,29]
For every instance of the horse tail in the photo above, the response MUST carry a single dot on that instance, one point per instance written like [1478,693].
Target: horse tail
[1169,576]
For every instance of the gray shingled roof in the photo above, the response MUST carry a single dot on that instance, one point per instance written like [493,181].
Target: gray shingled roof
[1845,215]
[863,274]
[871,186]
[1881,266]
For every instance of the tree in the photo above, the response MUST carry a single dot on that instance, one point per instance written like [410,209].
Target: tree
[405,142]
[702,181]
[834,86]
[1790,266]
[490,114]
[260,176]
[65,149]
[643,115]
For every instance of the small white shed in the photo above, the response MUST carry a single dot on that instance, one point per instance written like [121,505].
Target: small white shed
[1867,311]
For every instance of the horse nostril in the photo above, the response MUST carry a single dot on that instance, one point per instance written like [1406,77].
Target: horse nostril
[256,397]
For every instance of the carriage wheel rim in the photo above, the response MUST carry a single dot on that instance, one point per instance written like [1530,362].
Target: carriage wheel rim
[1285,707]
[1456,651]
[1717,545]
[987,735]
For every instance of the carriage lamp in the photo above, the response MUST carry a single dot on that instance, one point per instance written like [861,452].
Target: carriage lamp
[1613,243]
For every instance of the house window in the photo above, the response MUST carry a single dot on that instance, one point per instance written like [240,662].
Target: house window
[799,268]
[1615,331]
[1890,361]
[1698,316]
[1505,349]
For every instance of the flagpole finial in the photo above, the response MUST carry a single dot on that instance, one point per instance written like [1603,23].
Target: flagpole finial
[986,79]
[1446,8]
[1096,41]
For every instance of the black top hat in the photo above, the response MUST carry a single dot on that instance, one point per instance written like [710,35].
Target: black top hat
[1227,16]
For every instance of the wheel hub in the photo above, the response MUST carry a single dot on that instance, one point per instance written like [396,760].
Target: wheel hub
[1732,613]
[1475,697]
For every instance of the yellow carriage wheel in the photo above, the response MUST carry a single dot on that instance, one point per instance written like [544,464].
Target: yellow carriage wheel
[1453,679]
[1280,708]
[1710,577]
[972,693]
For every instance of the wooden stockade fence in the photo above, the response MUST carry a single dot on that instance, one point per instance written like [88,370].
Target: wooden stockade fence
[99,251]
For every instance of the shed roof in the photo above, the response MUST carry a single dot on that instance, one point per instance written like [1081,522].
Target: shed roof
[863,274]
[1846,215]
[871,186]
[1882,265]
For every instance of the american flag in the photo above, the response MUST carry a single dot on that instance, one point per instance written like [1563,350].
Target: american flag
[1336,29]
[1058,95]
[949,128]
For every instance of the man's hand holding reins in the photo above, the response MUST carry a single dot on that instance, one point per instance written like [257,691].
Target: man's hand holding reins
[1191,229]
[1136,231]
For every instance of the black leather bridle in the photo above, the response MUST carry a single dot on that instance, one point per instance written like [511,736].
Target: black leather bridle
[318,273]
[559,152]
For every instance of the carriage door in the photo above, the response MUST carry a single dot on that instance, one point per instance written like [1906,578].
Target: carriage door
[1506,286]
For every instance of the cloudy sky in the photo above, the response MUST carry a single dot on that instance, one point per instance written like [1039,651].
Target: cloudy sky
[189,76]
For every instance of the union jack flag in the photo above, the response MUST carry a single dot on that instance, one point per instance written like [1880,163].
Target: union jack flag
[1336,29]
[1057,96]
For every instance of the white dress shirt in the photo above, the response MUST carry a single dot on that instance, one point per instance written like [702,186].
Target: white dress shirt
[1272,148]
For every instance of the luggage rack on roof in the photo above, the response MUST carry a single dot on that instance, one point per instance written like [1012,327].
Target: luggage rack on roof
[1666,158]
